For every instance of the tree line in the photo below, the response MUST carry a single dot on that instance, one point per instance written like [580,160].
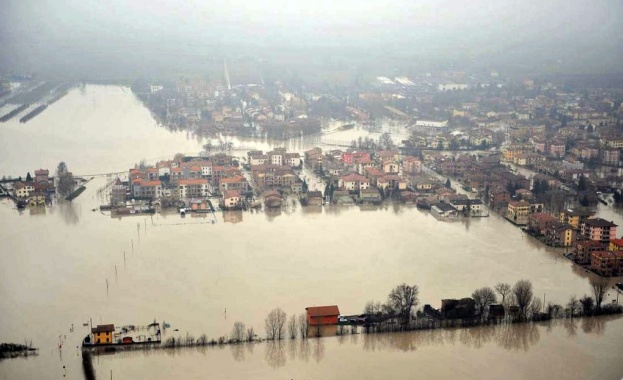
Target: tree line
[399,313]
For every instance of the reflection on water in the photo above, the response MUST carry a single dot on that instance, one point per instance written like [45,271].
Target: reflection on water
[69,211]
[510,337]
[275,354]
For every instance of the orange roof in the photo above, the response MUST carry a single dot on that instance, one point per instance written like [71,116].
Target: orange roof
[194,181]
[151,183]
[152,170]
[354,178]
[231,194]
[618,242]
[322,311]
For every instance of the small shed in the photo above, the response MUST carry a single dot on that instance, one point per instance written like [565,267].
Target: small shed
[322,315]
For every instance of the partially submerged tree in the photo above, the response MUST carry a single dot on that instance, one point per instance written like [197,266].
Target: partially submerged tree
[504,290]
[275,324]
[483,298]
[599,287]
[573,306]
[522,292]
[250,334]
[237,332]
[65,184]
[588,303]
[292,327]
[303,326]
[402,299]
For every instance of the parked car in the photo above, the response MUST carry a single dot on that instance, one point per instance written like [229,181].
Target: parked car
[342,319]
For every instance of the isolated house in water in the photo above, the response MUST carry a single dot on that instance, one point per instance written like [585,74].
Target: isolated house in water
[103,334]
[322,320]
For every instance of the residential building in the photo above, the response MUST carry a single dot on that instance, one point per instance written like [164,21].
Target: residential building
[237,182]
[607,263]
[297,187]
[353,182]
[411,165]
[518,212]
[349,158]
[574,217]
[23,189]
[473,206]
[557,148]
[539,222]
[42,175]
[147,189]
[615,245]
[598,229]
[370,195]
[560,235]
[390,167]
[118,192]
[314,198]
[444,210]
[231,199]
[103,334]
[193,188]
[583,249]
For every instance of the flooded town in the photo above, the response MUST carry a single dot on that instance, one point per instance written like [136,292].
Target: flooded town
[269,218]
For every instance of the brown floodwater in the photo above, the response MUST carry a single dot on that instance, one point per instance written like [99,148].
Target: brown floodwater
[201,277]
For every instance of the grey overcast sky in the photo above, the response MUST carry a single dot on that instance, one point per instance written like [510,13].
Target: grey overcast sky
[588,35]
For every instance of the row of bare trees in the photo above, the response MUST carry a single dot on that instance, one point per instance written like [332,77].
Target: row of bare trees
[521,295]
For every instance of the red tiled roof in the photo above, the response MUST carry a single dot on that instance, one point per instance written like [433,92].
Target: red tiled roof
[354,178]
[151,183]
[322,311]
[231,194]
[194,181]
[618,242]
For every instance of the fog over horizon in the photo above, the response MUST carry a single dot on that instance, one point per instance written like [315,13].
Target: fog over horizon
[120,40]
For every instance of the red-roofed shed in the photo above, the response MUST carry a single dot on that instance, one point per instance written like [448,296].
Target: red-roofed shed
[322,315]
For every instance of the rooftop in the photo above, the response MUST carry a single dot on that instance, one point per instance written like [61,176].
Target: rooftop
[322,311]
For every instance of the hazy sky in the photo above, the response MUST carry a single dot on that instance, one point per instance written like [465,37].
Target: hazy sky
[105,29]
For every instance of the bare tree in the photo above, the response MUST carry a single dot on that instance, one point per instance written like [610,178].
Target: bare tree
[203,340]
[535,307]
[275,324]
[573,306]
[386,141]
[303,327]
[402,299]
[522,291]
[292,327]
[599,291]
[504,289]
[373,307]
[483,298]
[250,334]
[237,333]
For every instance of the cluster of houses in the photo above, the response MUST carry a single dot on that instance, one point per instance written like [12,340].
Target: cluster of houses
[219,175]
[35,191]
[185,178]
[595,243]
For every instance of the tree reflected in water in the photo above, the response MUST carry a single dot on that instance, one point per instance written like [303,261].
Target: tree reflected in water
[275,354]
